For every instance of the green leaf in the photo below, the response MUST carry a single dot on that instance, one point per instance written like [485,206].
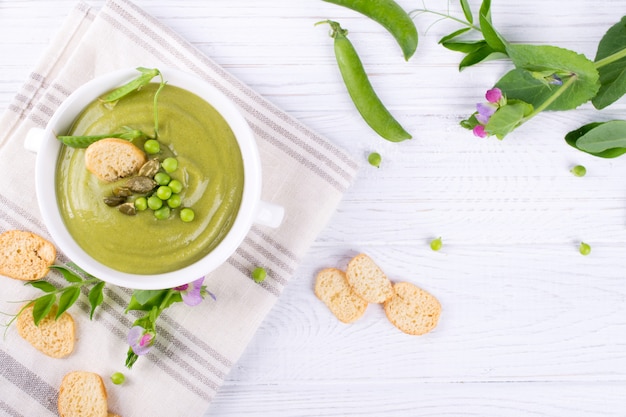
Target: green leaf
[42,307]
[42,285]
[485,9]
[530,60]
[68,274]
[608,135]
[67,299]
[453,35]
[507,118]
[95,297]
[464,46]
[613,73]
[145,300]
[467,11]
[572,137]
[492,37]
[482,54]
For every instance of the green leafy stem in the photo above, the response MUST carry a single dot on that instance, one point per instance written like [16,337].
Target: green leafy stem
[544,78]
[63,297]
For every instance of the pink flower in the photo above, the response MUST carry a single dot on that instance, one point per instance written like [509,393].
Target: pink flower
[494,95]
[192,292]
[140,340]
[479,130]
[485,111]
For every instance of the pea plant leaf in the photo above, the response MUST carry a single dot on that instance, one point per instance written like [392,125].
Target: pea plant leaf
[572,138]
[68,274]
[467,11]
[67,298]
[612,72]
[527,82]
[42,285]
[42,307]
[482,54]
[507,118]
[605,136]
[95,297]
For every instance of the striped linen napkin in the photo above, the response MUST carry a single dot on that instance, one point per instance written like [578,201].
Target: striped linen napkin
[196,346]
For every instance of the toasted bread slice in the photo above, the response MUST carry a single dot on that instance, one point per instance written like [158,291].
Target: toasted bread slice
[54,338]
[412,310]
[82,394]
[111,159]
[333,289]
[367,280]
[25,255]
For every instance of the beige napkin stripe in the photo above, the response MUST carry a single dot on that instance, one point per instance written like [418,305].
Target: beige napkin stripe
[204,355]
[22,378]
[192,378]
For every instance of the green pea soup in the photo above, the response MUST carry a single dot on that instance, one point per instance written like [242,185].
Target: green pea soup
[210,167]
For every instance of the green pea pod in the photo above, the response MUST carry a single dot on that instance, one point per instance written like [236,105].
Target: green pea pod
[85,141]
[391,16]
[146,76]
[360,89]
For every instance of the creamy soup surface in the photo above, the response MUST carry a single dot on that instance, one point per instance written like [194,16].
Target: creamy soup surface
[210,167]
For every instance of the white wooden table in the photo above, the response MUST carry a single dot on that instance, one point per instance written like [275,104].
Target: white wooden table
[529,327]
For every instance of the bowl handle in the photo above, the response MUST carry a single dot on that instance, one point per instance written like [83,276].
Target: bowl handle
[34,139]
[269,214]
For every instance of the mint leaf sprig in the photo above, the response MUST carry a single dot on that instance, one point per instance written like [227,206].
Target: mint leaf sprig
[63,297]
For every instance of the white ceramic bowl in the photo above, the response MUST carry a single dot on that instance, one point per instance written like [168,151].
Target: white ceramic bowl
[252,210]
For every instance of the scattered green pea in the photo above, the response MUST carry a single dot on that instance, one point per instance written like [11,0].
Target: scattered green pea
[436,244]
[152,146]
[176,186]
[154,202]
[187,215]
[118,378]
[174,201]
[374,159]
[584,249]
[141,203]
[164,192]
[169,164]
[579,171]
[162,213]
[259,274]
[162,178]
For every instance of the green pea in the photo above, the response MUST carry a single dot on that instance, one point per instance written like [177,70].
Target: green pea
[176,186]
[169,164]
[162,178]
[372,110]
[164,192]
[579,171]
[162,213]
[259,274]
[374,159]
[152,146]
[141,203]
[391,16]
[154,202]
[584,249]
[187,215]
[174,201]
[436,244]
[118,378]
